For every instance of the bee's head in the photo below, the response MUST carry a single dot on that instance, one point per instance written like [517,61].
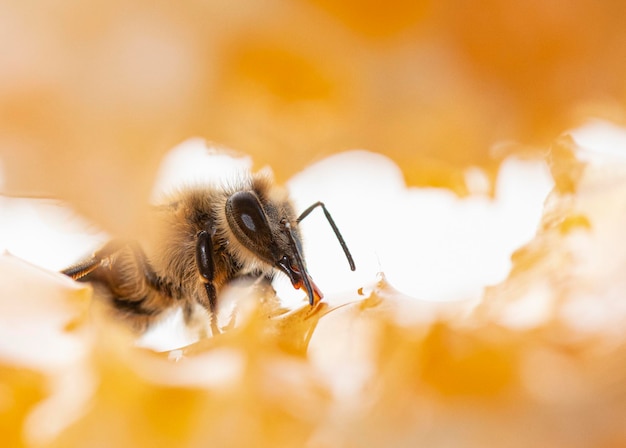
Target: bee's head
[269,230]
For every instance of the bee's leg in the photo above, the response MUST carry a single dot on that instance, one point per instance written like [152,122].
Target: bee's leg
[206,268]
[86,267]
[83,268]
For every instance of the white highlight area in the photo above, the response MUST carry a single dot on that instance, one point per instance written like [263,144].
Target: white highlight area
[600,140]
[45,232]
[430,244]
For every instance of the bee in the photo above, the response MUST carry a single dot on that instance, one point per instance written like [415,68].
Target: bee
[205,238]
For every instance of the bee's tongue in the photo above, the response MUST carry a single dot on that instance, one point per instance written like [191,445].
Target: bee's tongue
[317,294]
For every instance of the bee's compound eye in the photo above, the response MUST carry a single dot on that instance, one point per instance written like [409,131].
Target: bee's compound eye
[244,213]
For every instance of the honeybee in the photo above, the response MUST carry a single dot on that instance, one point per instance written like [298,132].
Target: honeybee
[205,238]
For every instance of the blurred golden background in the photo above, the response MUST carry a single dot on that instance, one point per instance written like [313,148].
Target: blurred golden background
[93,94]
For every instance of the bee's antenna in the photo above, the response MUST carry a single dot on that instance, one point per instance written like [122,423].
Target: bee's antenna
[335,229]
[299,261]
